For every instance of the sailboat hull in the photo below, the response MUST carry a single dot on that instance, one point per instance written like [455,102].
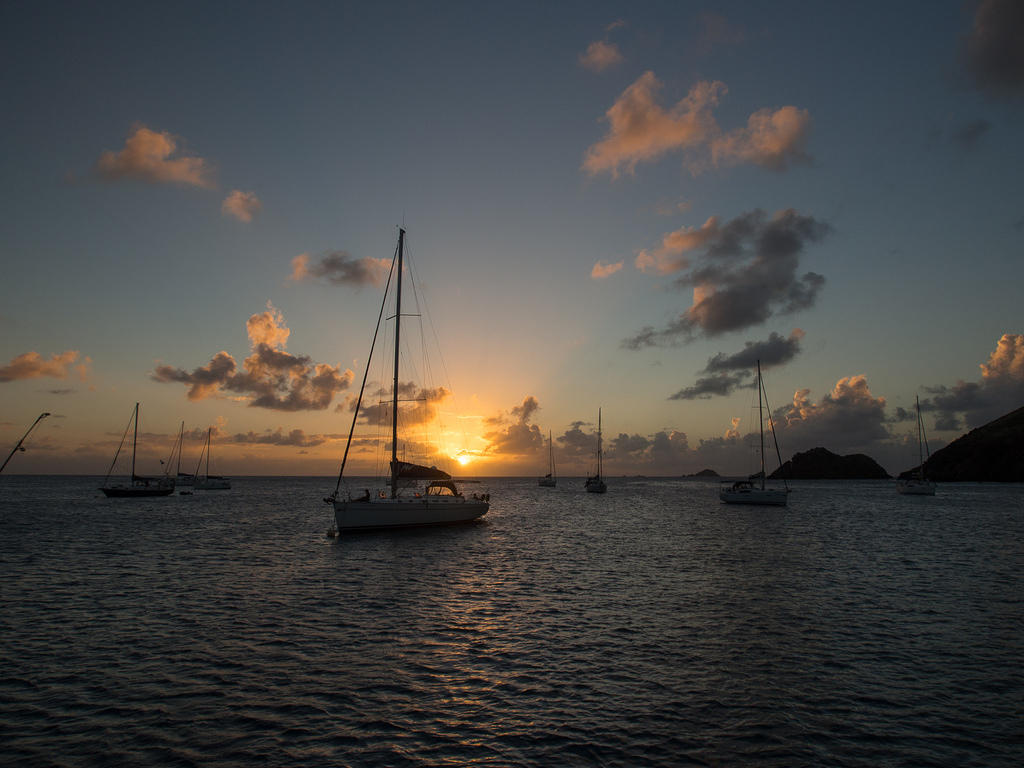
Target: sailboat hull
[136,491]
[916,487]
[546,482]
[406,512]
[772,497]
[595,485]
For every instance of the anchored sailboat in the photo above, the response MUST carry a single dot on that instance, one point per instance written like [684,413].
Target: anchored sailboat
[206,481]
[137,485]
[549,480]
[404,502]
[595,483]
[745,491]
[915,483]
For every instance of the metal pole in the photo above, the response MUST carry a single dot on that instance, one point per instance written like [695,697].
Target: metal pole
[394,404]
[24,437]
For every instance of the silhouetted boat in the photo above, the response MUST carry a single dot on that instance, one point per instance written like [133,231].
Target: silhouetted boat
[915,483]
[595,483]
[415,495]
[750,491]
[549,480]
[137,485]
[206,481]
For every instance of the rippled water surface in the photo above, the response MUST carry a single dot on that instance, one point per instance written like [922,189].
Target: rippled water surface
[650,626]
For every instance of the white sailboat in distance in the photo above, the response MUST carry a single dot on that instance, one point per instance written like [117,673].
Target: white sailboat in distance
[550,480]
[916,483]
[745,491]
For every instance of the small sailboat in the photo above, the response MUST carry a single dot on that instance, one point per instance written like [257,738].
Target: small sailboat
[748,491]
[206,481]
[414,495]
[915,483]
[595,483]
[549,480]
[137,485]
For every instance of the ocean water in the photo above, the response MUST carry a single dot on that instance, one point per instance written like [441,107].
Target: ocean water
[652,626]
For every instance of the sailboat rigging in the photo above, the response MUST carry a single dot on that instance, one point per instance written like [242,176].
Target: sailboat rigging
[402,503]
[549,480]
[745,491]
[915,483]
[596,483]
[206,481]
[137,485]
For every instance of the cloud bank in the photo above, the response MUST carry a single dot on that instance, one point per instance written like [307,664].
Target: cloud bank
[641,130]
[147,156]
[746,270]
[514,434]
[269,378]
[974,403]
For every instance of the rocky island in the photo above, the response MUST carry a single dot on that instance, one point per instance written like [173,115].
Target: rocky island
[822,464]
[993,453]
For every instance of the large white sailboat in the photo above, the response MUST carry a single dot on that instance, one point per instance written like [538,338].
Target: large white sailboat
[596,483]
[915,483]
[749,491]
[414,495]
[550,480]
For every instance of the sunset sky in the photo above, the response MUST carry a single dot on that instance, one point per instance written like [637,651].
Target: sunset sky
[614,205]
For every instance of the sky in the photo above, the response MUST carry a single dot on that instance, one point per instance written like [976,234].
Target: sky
[614,206]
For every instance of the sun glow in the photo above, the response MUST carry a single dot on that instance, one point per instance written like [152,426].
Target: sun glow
[463,458]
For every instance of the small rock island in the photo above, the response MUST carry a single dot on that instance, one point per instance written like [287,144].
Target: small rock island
[822,464]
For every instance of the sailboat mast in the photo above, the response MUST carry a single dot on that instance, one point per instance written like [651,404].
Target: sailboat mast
[599,472]
[209,431]
[135,440]
[921,445]
[551,455]
[760,419]
[181,445]
[394,402]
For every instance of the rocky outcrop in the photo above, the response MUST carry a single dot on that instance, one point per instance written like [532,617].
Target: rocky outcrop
[822,464]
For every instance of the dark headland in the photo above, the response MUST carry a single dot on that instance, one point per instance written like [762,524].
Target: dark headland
[822,464]
[991,453]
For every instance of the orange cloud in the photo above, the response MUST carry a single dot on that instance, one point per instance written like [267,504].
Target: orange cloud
[771,140]
[242,205]
[32,365]
[600,55]
[642,130]
[602,270]
[268,328]
[269,377]
[146,156]
[668,257]
[1007,360]
[519,437]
